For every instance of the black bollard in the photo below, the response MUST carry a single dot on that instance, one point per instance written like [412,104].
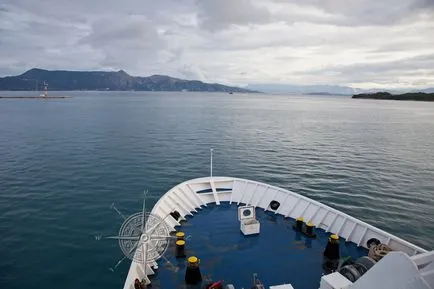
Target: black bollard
[331,251]
[299,224]
[309,230]
[180,235]
[180,249]
[192,273]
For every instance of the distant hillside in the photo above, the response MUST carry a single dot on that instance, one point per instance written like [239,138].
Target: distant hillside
[103,80]
[317,89]
[325,93]
[304,89]
[420,96]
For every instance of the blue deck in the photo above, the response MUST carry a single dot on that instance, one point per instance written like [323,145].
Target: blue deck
[278,254]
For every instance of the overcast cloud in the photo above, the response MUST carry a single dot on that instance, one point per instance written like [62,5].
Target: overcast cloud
[361,43]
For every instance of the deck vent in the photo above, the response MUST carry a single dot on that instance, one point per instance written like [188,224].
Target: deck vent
[274,205]
[248,223]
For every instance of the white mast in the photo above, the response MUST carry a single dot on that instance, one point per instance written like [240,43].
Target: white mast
[210,169]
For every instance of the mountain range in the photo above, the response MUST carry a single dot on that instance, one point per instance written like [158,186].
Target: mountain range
[303,89]
[36,79]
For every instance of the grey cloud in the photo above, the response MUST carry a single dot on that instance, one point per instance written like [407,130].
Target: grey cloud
[421,66]
[318,38]
[192,72]
[131,42]
[32,40]
[223,40]
[367,12]
[402,46]
[85,12]
[388,12]
[424,4]
[413,63]
[215,15]
[132,31]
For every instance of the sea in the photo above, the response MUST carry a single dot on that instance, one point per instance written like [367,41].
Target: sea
[67,165]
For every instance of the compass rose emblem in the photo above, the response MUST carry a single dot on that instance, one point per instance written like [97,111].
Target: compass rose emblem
[143,237]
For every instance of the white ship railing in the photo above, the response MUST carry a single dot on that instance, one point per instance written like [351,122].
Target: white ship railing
[425,265]
[185,199]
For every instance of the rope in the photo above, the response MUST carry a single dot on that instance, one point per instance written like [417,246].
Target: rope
[377,252]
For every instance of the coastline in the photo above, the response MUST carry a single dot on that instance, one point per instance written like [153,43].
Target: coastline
[416,96]
[34,97]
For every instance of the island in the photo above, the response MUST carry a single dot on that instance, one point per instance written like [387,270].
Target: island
[63,80]
[418,96]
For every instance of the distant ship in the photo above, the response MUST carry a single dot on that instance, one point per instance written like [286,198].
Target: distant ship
[226,232]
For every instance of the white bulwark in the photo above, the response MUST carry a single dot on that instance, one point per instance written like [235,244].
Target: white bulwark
[189,196]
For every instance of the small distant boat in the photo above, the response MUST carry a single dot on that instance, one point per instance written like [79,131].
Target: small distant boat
[230,92]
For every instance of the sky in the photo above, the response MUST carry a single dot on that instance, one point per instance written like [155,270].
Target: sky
[357,43]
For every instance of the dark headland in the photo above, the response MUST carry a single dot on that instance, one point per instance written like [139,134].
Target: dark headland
[418,96]
[62,80]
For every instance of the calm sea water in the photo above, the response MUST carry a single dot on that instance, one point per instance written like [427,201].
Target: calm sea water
[64,162]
